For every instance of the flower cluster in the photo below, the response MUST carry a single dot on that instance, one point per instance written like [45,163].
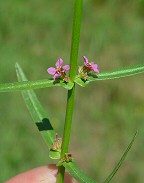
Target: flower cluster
[88,67]
[67,158]
[59,71]
[56,146]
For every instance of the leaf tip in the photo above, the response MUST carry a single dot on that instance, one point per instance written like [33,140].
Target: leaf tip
[16,65]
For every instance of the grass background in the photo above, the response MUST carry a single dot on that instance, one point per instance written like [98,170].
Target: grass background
[35,34]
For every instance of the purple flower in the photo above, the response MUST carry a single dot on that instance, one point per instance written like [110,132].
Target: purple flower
[86,68]
[90,66]
[59,70]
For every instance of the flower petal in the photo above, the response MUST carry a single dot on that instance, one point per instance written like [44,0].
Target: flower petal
[51,70]
[59,63]
[85,60]
[66,67]
[95,67]
[56,76]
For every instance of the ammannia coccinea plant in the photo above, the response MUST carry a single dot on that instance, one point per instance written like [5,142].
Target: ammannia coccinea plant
[82,76]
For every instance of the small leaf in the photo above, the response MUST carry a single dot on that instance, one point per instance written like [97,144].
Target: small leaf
[37,112]
[81,82]
[117,73]
[121,160]
[77,173]
[54,154]
[60,163]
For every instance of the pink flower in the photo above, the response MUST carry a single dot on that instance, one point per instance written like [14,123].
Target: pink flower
[59,70]
[90,66]
[86,68]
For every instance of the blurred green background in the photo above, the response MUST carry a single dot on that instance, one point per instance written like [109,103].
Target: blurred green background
[35,33]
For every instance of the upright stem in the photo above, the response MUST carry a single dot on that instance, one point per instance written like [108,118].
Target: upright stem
[73,71]
[75,38]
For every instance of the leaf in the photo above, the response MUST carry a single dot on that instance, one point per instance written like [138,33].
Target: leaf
[54,154]
[30,85]
[117,73]
[81,82]
[77,173]
[37,112]
[121,160]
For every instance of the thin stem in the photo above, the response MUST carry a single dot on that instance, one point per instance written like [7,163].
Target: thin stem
[73,71]
[75,38]
[67,130]
[68,121]
[60,176]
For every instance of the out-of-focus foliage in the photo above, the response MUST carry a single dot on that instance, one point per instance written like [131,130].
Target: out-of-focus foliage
[36,33]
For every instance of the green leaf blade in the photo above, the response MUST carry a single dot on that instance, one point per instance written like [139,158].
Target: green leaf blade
[113,74]
[77,173]
[31,85]
[121,160]
[54,154]
[38,114]
[122,72]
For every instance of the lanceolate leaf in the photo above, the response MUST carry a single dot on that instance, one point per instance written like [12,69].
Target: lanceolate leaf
[117,73]
[38,114]
[77,173]
[121,160]
[31,85]
[122,72]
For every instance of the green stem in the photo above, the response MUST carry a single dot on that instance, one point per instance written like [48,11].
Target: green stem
[75,38]
[73,72]
[68,121]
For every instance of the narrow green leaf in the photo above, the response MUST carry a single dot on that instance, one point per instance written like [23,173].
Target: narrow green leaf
[121,160]
[77,173]
[81,82]
[38,114]
[31,85]
[117,73]
[122,72]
